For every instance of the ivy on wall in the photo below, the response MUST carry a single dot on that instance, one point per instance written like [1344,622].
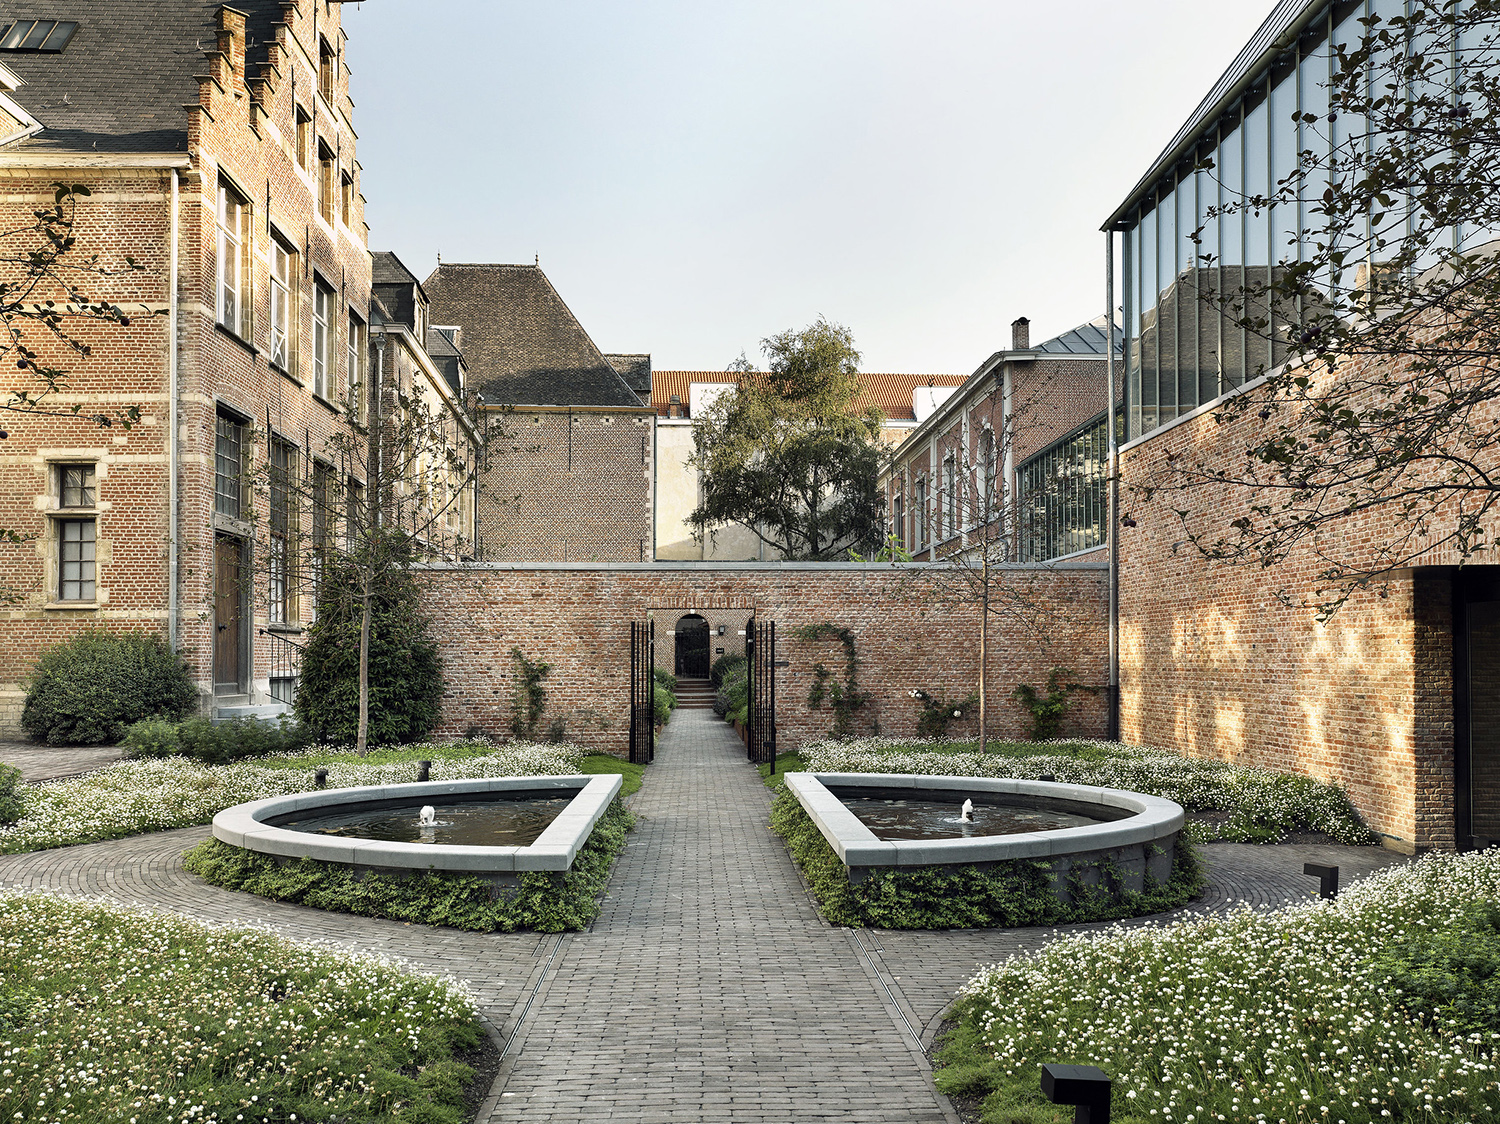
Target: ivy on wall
[842,698]
[529,698]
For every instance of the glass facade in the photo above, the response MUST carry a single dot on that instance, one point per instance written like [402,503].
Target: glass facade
[1184,348]
[1061,502]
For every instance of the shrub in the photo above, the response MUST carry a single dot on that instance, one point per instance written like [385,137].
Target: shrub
[152,737]
[10,802]
[664,678]
[733,699]
[406,676]
[721,666]
[87,689]
[218,743]
[662,704]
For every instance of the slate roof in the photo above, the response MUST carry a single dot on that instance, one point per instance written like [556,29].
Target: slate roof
[122,81]
[635,370]
[438,343]
[890,392]
[523,345]
[1086,339]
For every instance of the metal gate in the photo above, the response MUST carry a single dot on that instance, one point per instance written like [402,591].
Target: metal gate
[760,652]
[642,692]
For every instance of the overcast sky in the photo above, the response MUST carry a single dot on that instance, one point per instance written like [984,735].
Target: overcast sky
[697,176]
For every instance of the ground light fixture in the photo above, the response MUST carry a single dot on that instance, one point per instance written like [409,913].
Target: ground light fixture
[1328,879]
[1086,1087]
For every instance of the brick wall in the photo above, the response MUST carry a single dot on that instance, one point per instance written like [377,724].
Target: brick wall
[568,486]
[576,617]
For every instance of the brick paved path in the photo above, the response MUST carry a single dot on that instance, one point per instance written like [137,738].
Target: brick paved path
[709,989]
[49,762]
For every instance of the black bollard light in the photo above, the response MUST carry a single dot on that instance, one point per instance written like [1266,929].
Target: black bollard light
[1086,1087]
[1327,876]
[424,770]
[320,778]
[1047,777]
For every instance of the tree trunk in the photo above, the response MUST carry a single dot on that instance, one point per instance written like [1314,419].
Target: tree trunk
[361,745]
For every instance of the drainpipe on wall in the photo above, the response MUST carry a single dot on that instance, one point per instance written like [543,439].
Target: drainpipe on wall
[1113,476]
[173,547]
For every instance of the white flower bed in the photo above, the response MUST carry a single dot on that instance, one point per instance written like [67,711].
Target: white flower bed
[1256,1016]
[155,794]
[1249,795]
[110,1015]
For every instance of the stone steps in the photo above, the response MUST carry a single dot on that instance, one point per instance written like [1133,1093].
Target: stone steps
[695,694]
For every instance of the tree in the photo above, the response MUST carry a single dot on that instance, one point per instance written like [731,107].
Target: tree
[44,293]
[1379,396]
[789,455]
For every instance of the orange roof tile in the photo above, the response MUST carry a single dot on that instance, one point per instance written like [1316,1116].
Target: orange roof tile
[891,393]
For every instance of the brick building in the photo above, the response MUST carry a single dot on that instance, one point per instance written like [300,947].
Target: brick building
[1014,456]
[571,479]
[218,146]
[904,400]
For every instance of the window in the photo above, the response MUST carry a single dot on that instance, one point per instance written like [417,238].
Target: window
[321,342]
[355,365]
[229,465]
[234,262]
[346,198]
[38,35]
[898,521]
[75,537]
[986,475]
[919,514]
[950,498]
[354,510]
[283,306]
[75,485]
[282,526]
[304,139]
[327,168]
[327,71]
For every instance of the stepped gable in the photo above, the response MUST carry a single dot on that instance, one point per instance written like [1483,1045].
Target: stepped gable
[524,346]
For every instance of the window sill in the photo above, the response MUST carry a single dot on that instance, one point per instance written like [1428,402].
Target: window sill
[284,373]
[229,333]
[283,628]
[232,526]
[72,606]
[318,398]
[73,512]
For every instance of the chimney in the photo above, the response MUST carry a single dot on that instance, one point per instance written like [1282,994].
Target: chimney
[1020,334]
[674,406]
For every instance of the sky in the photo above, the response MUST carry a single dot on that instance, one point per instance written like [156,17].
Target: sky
[695,177]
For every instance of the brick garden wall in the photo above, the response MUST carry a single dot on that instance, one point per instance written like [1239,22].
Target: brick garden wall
[576,617]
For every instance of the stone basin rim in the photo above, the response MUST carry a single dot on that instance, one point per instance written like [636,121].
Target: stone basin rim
[246,826]
[1153,819]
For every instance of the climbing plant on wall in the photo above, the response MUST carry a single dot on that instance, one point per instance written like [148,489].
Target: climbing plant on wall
[842,698]
[529,698]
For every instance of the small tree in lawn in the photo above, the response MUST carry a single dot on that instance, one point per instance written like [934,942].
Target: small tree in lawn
[1378,399]
[46,291]
[788,455]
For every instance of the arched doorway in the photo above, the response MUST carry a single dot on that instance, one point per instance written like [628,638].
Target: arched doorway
[692,647]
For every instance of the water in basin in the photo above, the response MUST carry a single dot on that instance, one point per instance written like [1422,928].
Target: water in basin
[489,823]
[930,819]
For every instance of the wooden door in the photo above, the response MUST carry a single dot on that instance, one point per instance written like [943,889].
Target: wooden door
[227,616]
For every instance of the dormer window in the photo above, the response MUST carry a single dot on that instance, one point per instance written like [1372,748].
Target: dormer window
[38,35]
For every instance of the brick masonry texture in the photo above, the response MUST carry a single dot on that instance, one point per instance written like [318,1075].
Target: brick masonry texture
[577,618]
[1214,664]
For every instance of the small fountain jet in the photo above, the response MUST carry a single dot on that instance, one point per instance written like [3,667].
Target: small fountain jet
[428,816]
[967,815]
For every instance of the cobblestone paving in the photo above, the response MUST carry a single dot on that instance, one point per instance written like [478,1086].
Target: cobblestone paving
[709,989]
[49,762]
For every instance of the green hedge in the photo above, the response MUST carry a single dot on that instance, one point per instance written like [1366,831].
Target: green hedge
[88,689]
[10,802]
[663,702]
[215,743]
[546,901]
[721,667]
[1003,894]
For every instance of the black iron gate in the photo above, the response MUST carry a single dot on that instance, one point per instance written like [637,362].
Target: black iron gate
[642,691]
[760,652]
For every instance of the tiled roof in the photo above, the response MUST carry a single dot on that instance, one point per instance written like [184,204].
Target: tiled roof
[890,392]
[122,81]
[635,370]
[523,345]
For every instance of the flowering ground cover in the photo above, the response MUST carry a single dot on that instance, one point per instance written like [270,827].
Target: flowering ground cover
[1233,803]
[1381,1005]
[112,1016]
[155,794]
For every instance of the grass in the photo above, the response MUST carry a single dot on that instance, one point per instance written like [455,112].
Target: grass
[599,764]
[785,763]
[111,1016]
[1381,1005]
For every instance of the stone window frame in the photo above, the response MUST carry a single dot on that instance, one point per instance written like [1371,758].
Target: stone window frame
[304,138]
[58,515]
[282,526]
[286,305]
[356,358]
[324,337]
[233,276]
[327,172]
[237,519]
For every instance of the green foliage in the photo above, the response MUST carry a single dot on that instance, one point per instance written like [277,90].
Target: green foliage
[842,698]
[891,550]
[663,702]
[152,737]
[406,675]
[664,678]
[87,689]
[1047,710]
[10,803]
[733,698]
[721,666]
[1010,893]
[529,697]
[1451,976]
[215,743]
[545,901]
[789,455]
[935,713]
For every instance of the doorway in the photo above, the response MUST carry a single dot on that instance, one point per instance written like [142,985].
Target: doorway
[229,677]
[1476,682]
[692,647]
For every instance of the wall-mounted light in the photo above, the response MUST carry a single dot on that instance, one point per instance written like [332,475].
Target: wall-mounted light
[722,630]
